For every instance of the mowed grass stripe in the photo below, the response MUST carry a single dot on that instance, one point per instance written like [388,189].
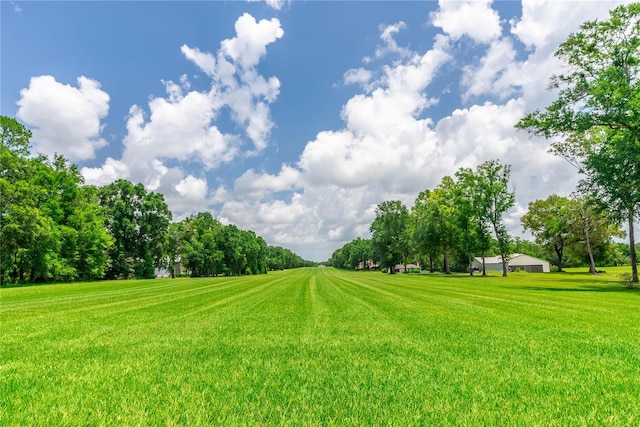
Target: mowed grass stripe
[153,301]
[545,343]
[124,344]
[74,295]
[322,347]
[527,291]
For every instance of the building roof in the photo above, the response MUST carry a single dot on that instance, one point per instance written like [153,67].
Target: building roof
[498,259]
[490,259]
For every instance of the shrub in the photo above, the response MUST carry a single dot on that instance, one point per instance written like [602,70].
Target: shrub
[627,280]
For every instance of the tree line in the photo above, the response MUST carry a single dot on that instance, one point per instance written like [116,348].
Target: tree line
[457,218]
[55,228]
[462,218]
[594,124]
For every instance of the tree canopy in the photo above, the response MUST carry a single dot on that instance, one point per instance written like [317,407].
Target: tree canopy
[55,228]
[390,233]
[597,113]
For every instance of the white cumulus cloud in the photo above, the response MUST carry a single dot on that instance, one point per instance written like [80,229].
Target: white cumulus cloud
[389,148]
[64,119]
[358,76]
[473,18]
[183,126]
[252,38]
[252,184]
[391,145]
[486,77]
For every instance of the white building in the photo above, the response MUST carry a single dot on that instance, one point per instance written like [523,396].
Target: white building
[401,268]
[516,262]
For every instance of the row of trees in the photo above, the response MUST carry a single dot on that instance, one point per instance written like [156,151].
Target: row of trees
[463,218]
[354,254]
[51,228]
[594,124]
[54,228]
[461,215]
[574,224]
[202,246]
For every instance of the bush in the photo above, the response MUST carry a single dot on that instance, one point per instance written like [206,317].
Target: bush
[627,280]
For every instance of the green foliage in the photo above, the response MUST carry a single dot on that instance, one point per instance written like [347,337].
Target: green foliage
[51,227]
[323,347]
[138,222]
[390,234]
[196,247]
[279,258]
[56,229]
[354,255]
[552,223]
[627,280]
[202,247]
[493,199]
[435,221]
[241,250]
[453,220]
[596,112]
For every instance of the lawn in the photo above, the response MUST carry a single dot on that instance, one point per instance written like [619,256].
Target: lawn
[319,346]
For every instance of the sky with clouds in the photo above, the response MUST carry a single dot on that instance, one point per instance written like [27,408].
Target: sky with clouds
[293,119]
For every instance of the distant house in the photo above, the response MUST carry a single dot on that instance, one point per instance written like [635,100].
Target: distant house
[368,265]
[516,262]
[400,268]
[161,272]
[177,269]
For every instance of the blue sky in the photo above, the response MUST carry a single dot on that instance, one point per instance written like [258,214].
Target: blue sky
[292,119]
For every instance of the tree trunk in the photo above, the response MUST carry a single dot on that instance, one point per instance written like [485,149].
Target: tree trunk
[632,251]
[559,255]
[470,265]
[484,267]
[501,245]
[592,264]
[447,270]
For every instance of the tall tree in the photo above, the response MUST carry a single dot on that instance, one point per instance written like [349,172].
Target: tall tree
[470,221]
[435,220]
[552,222]
[138,222]
[198,245]
[17,210]
[597,112]
[92,240]
[422,231]
[390,233]
[594,229]
[493,199]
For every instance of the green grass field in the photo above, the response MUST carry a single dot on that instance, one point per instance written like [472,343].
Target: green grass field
[323,347]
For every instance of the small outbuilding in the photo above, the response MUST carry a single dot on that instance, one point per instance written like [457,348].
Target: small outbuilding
[520,262]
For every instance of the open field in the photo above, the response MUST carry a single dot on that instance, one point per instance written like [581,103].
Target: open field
[320,346]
